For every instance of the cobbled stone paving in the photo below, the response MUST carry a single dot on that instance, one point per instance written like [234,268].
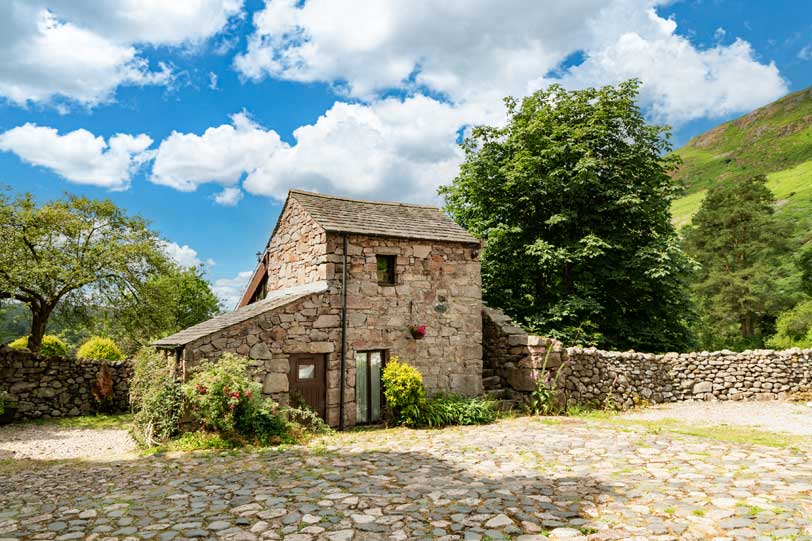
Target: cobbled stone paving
[518,479]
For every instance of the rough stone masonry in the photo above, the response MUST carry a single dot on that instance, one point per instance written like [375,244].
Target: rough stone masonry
[60,386]
[589,376]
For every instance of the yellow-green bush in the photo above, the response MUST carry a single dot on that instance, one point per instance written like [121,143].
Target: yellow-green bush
[51,346]
[403,390]
[100,348]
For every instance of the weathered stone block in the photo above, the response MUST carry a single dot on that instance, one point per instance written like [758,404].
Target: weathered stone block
[260,351]
[275,383]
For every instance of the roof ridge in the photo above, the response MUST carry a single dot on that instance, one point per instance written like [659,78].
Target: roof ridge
[343,198]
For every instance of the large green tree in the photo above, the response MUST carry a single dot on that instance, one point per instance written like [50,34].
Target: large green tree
[71,250]
[165,303]
[573,197]
[739,244]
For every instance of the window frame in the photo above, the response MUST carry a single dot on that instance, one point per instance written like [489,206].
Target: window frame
[391,269]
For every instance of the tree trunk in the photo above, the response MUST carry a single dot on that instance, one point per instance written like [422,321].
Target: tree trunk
[39,321]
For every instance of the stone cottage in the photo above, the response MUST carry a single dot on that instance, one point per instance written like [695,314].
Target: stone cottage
[342,286]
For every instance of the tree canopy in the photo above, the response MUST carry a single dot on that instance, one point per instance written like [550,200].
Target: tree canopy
[75,251]
[573,195]
[739,243]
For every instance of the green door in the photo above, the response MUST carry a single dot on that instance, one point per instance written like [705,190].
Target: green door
[368,390]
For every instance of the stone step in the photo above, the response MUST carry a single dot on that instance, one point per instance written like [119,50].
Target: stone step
[492,382]
[509,405]
[495,394]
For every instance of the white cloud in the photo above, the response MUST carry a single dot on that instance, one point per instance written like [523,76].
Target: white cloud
[229,197]
[478,53]
[221,155]
[805,53]
[230,290]
[79,156]
[680,82]
[185,256]
[390,149]
[83,50]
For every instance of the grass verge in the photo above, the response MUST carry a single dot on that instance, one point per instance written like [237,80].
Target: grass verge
[121,421]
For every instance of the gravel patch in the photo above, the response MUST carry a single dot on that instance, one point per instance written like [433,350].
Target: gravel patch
[775,416]
[51,442]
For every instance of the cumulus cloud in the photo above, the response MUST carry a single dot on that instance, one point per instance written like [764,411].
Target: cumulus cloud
[229,197]
[390,149]
[83,50]
[680,82]
[229,290]
[185,256]
[220,155]
[79,156]
[478,53]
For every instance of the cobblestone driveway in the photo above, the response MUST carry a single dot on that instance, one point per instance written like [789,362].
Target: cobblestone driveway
[518,479]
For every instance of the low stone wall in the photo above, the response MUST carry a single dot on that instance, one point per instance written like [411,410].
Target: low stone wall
[589,376]
[60,386]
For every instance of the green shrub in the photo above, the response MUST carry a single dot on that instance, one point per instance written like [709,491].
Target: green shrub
[403,391]
[305,420]
[221,392]
[263,424]
[793,328]
[99,348]
[155,397]
[448,410]
[51,346]
[5,401]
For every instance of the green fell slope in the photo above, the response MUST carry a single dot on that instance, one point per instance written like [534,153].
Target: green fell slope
[775,140]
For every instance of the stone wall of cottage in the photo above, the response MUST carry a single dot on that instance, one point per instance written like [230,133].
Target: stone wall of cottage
[297,251]
[589,376]
[308,325]
[438,285]
[59,386]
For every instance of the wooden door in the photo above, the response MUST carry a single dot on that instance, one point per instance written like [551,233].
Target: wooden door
[308,378]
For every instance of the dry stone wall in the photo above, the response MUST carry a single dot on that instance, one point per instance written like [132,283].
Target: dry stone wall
[60,386]
[589,376]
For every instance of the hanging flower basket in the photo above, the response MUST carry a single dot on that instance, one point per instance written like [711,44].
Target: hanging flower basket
[417,331]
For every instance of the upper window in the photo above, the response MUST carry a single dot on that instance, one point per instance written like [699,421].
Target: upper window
[386,269]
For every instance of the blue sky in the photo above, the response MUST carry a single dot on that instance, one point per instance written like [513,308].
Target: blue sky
[200,114]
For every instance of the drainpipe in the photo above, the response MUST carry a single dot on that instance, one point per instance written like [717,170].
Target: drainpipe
[343,360]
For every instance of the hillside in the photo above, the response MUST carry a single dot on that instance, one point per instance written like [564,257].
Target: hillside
[775,140]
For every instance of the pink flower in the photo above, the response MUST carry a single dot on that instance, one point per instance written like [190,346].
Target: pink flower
[421,329]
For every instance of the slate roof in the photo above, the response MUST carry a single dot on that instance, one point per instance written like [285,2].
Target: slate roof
[378,218]
[275,299]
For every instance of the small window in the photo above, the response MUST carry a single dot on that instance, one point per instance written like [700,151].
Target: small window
[386,269]
[307,371]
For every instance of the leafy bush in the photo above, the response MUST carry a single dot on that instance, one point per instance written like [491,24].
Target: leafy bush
[403,390]
[793,328]
[263,424]
[446,410]
[306,419]
[155,397]
[221,392]
[51,346]
[99,348]
[5,401]
[544,400]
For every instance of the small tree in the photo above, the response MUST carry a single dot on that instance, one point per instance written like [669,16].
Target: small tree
[738,242]
[165,303]
[73,248]
[573,196]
